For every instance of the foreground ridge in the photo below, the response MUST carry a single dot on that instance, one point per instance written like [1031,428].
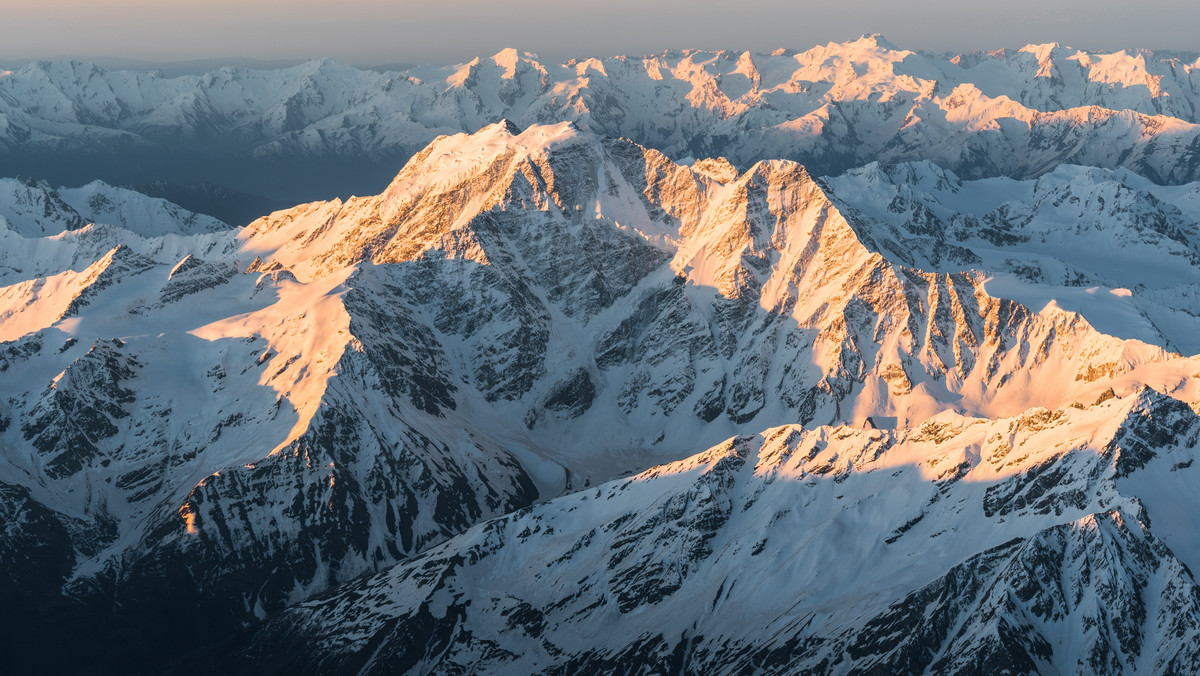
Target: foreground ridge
[1023,541]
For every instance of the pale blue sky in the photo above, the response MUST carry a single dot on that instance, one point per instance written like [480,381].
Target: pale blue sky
[437,31]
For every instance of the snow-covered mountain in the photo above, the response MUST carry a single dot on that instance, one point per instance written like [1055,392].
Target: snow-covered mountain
[1117,248]
[325,128]
[33,209]
[218,424]
[1045,543]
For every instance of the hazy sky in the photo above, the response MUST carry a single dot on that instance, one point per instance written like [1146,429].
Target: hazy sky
[437,31]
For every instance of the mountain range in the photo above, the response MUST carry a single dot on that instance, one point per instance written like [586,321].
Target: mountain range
[324,128]
[560,400]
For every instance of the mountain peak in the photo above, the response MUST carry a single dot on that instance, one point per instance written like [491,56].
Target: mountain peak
[878,40]
[508,125]
[1040,48]
[462,151]
[510,59]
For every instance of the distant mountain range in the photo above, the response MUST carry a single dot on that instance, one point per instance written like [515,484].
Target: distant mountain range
[324,129]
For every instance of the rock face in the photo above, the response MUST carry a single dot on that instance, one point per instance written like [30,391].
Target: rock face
[324,128]
[795,551]
[400,390]
[1108,244]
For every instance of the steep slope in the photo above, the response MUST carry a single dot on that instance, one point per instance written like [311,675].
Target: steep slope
[1113,246]
[1012,543]
[98,202]
[671,266]
[33,209]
